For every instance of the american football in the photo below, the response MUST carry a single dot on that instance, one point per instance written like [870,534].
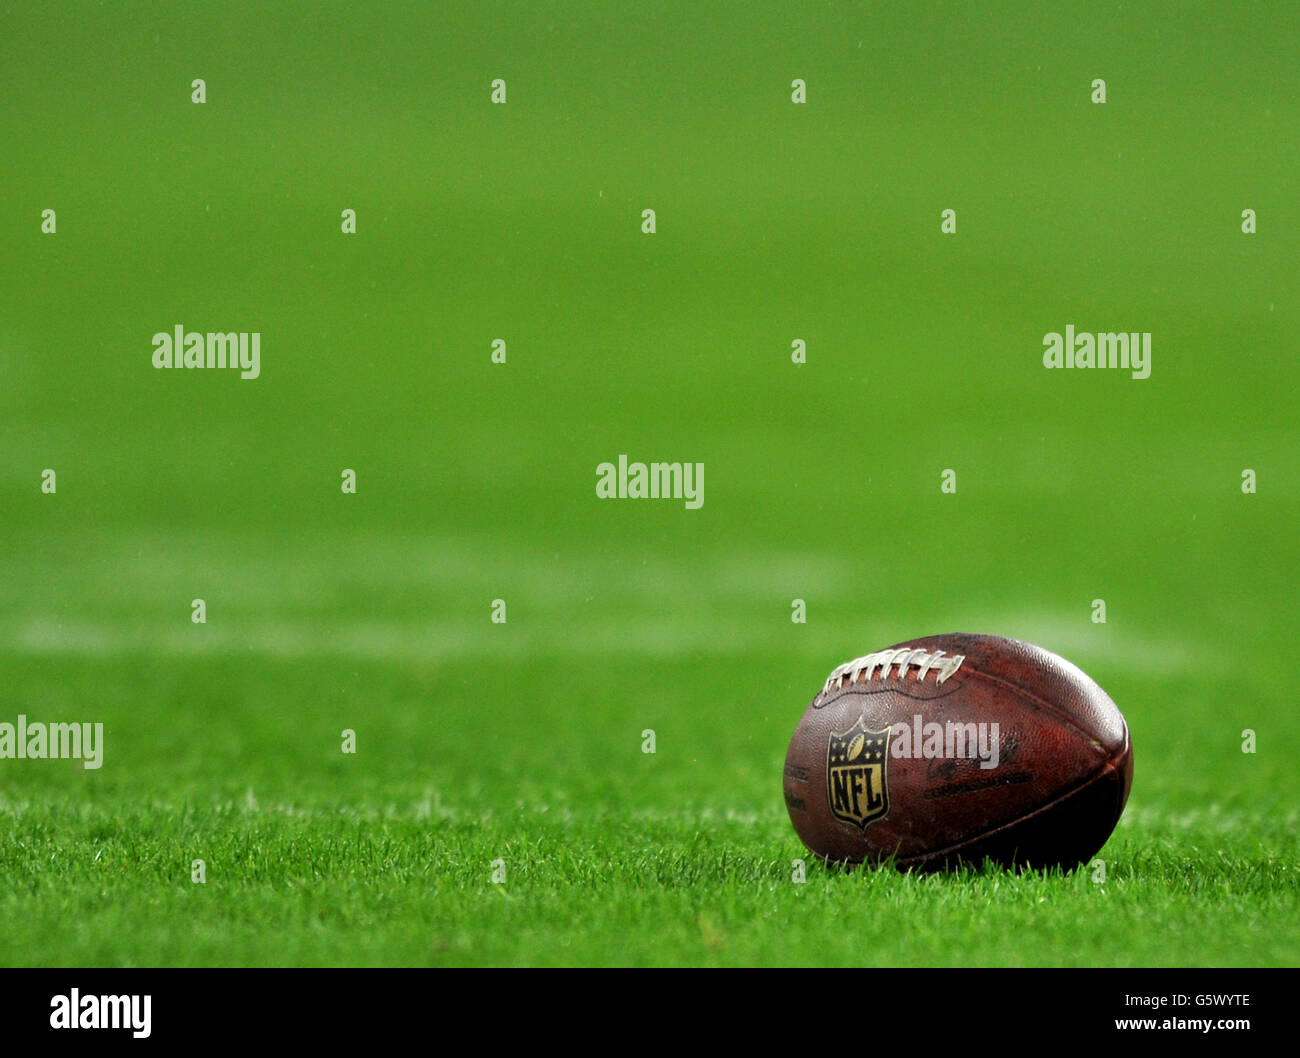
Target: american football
[954,749]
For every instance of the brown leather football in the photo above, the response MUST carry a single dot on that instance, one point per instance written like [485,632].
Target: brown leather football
[956,748]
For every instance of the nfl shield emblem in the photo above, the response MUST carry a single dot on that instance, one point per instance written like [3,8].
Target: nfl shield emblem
[856,786]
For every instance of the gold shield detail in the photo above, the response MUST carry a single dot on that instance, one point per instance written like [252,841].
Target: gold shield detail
[857,786]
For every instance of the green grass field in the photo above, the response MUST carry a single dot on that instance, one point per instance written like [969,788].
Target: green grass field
[484,747]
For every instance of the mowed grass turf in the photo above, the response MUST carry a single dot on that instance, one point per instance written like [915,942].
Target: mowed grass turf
[611,857]
[507,745]
[518,746]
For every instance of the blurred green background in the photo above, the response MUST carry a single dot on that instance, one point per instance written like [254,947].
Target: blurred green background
[476,481]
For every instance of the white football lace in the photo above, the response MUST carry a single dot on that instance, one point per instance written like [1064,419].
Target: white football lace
[902,658]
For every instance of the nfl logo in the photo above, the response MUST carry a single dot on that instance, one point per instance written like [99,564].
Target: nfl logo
[856,787]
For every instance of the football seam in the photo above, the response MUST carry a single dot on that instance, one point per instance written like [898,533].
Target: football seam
[1108,766]
[1042,704]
